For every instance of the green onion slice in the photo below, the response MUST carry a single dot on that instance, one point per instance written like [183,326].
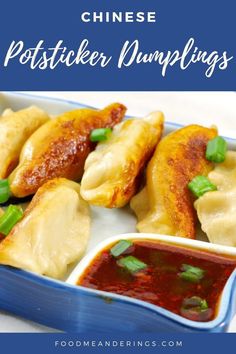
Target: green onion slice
[120,247]
[8,220]
[101,134]
[132,264]
[191,274]
[204,305]
[4,190]
[188,276]
[195,301]
[200,185]
[195,308]
[216,150]
[195,270]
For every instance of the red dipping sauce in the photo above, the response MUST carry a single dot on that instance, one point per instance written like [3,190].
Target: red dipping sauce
[162,281]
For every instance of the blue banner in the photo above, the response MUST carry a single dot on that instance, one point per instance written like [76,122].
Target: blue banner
[118,45]
[143,343]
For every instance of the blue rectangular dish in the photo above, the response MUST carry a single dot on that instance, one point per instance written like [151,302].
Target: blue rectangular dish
[71,308]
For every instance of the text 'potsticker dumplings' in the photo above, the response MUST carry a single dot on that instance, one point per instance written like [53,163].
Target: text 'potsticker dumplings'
[113,170]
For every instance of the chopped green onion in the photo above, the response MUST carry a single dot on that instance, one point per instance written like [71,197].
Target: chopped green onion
[195,270]
[4,190]
[191,274]
[216,150]
[120,247]
[195,308]
[132,264]
[200,185]
[204,305]
[191,277]
[195,302]
[8,220]
[101,134]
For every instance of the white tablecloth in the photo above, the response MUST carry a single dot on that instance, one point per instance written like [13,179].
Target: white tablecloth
[205,108]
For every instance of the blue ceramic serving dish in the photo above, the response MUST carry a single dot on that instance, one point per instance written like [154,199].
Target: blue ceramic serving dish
[70,308]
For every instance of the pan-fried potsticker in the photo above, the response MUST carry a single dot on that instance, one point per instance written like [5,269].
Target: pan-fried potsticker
[165,205]
[112,171]
[53,232]
[217,209]
[60,148]
[15,129]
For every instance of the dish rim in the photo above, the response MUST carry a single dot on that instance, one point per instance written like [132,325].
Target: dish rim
[83,105]
[223,317]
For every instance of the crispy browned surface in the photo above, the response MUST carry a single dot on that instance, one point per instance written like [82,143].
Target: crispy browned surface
[179,157]
[60,148]
[130,175]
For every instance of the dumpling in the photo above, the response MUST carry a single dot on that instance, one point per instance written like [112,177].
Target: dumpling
[7,112]
[112,171]
[53,233]
[60,148]
[165,206]
[15,129]
[1,213]
[217,210]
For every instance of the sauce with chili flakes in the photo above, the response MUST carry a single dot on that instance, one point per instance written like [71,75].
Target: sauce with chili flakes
[160,282]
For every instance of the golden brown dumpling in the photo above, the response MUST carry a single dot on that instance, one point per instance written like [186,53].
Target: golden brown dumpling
[53,233]
[7,112]
[113,169]
[60,148]
[217,210]
[165,206]
[1,213]
[15,129]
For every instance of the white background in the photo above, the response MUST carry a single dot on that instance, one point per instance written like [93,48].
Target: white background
[205,108]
